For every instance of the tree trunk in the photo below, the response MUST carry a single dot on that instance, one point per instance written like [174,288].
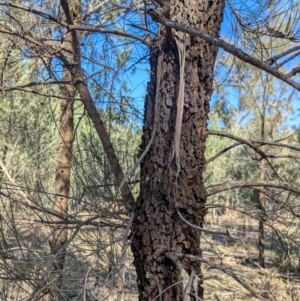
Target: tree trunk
[62,188]
[168,185]
[261,196]
[59,235]
[261,245]
[261,239]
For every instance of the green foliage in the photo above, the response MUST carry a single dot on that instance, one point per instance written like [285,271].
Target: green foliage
[91,170]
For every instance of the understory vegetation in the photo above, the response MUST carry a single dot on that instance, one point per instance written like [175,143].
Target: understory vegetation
[144,159]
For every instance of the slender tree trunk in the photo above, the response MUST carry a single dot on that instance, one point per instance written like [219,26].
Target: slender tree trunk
[157,228]
[261,196]
[62,188]
[59,235]
[261,239]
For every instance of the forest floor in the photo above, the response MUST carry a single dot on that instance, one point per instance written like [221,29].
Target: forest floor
[89,274]
[279,281]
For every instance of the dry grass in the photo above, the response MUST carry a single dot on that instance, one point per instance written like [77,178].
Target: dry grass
[278,281]
[92,262]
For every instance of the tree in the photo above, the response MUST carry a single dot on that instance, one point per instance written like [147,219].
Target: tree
[262,107]
[182,58]
[262,110]
[59,235]
[176,105]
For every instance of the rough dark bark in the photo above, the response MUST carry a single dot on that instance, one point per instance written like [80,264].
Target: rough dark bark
[157,228]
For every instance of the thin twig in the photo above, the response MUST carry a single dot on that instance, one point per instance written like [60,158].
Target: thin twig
[202,229]
[188,286]
[237,52]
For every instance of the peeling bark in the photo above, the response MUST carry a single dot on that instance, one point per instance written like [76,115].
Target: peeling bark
[157,228]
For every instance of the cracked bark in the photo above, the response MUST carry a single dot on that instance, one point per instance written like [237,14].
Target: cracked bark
[157,228]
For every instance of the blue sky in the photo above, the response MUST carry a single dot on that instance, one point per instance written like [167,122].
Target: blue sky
[138,81]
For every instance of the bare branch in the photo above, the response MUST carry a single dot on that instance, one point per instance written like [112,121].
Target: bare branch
[294,72]
[287,60]
[71,26]
[223,186]
[33,84]
[227,47]
[32,11]
[275,58]
[241,140]
[277,144]
[36,93]
[202,229]
[188,287]
[222,152]
[144,40]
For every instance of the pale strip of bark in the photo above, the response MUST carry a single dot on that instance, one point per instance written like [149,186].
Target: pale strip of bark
[181,47]
[218,267]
